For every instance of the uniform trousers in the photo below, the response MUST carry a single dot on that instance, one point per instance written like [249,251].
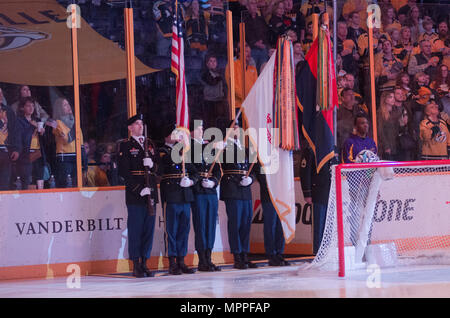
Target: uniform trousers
[204,218]
[239,213]
[178,223]
[319,218]
[141,226]
[273,231]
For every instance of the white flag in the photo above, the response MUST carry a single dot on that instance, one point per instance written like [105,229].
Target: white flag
[278,164]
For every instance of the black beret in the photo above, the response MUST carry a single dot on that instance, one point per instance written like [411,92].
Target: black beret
[132,119]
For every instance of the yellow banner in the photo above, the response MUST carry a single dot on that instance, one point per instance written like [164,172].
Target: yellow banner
[36,47]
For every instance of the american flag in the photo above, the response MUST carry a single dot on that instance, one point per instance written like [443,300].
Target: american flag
[177,67]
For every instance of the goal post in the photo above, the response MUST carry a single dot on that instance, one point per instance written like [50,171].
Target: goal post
[391,213]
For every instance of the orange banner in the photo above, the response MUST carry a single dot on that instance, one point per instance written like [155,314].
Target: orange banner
[36,47]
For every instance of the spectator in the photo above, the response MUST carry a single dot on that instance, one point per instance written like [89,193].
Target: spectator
[405,48]
[399,103]
[196,29]
[387,67]
[414,22]
[418,104]
[350,83]
[24,92]
[403,12]
[434,134]
[388,19]
[251,76]
[29,130]
[387,127]
[278,23]
[394,33]
[360,6]
[406,139]
[425,61]
[403,81]
[9,143]
[64,131]
[363,45]
[256,33]
[214,87]
[345,115]
[163,15]
[217,27]
[97,175]
[358,141]
[428,33]
[346,48]
[315,6]
[298,53]
[354,29]
[441,85]
[442,45]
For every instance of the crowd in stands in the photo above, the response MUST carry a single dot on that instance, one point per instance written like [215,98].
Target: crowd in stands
[412,57]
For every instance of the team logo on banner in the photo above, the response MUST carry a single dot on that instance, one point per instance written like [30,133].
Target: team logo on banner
[12,38]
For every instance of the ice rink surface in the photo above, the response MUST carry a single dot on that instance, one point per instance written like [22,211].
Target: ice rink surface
[264,282]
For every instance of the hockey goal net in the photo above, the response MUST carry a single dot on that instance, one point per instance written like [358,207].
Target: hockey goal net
[386,213]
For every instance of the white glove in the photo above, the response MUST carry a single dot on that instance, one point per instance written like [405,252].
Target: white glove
[206,183]
[246,181]
[220,145]
[186,182]
[145,191]
[148,162]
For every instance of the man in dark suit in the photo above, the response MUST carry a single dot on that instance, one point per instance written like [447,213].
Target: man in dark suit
[235,191]
[132,168]
[206,204]
[177,194]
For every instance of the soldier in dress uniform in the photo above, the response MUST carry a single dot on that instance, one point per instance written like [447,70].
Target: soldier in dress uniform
[132,167]
[235,191]
[273,232]
[206,204]
[316,188]
[177,194]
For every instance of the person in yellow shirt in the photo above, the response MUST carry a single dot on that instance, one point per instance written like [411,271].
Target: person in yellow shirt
[434,134]
[63,126]
[97,176]
[251,75]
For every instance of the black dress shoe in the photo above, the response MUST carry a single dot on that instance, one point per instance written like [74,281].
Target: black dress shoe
[203,265]
[145,269]
[182,266]
[274,261]
[210,263]
[186,270]
[173,267]
[245,260]
[282,261]
[137,269]
[238,263]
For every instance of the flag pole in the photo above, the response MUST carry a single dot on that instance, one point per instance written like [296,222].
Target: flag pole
[131,69]
[315,22]
[335,67]
[231,62]
[76,93]
[372,80]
